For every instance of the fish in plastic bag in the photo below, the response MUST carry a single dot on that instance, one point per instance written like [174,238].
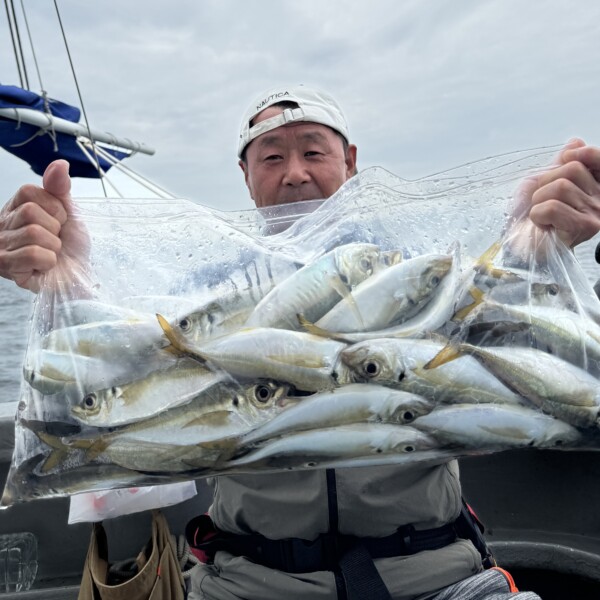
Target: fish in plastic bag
[398,322]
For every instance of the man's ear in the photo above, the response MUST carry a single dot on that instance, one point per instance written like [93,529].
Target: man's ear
[244,168]
[350,160]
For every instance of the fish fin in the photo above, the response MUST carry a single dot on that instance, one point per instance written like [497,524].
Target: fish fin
[448,353]
[339,286]
[213,419]
[342,289]
[177,346]
[53,460]
[51,441]
[509,432]
[389,258]
[454,248]
[170,334]
[478,297]
[310,327]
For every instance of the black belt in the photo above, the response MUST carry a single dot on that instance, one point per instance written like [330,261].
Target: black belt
[295,555]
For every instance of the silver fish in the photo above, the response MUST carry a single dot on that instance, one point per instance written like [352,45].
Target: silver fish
[314,289]
[49,372]
[27,482]
[215,317]
[349,404]
[309,449]
[81,312]
[108,339]
[563,333]
[144,398]
[492,426]
[548,382]
[435,313]
[71,374]
[400,363]
[308,362]
[188,437]
[391,295]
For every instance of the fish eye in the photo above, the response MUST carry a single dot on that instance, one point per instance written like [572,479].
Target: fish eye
[371,369]
[409,448]
[366,265]
[401,375]
[262,393]
[435,280]
[344,278]
[89,401]
[185,324]
[553,289]
[236,401]
[408,416]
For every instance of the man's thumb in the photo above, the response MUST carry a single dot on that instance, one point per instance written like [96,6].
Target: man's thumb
[56,180]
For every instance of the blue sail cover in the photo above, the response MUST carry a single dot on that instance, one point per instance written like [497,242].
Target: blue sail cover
[39,147]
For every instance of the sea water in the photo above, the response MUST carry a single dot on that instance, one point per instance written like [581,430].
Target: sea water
[15,313]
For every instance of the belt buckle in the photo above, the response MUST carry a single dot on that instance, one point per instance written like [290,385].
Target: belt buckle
[304,556]
[406,533]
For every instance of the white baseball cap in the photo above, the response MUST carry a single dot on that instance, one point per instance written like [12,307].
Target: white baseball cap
[314,106]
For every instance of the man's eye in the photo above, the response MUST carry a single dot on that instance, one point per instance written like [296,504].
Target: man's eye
[272,157]
[312,153]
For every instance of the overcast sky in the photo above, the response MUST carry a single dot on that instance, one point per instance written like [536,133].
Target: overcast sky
[426,84]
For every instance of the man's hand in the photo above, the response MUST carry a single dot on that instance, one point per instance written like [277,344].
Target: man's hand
[37,229]
[567,197]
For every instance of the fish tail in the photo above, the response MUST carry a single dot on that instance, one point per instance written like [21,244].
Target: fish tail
[58,451]
[92,448]
[485,261]
[478,296]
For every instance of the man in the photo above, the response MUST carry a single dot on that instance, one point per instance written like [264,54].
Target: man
[380,532]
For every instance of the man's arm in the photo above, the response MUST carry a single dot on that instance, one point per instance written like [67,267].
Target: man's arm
[37,229]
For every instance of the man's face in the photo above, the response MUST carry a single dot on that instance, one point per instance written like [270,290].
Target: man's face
[295,162]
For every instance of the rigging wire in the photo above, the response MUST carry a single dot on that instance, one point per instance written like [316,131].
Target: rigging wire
[18,58]
[80,98]
[12,7]
[35,62]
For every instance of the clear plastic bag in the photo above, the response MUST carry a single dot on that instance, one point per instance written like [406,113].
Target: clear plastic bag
[389,324]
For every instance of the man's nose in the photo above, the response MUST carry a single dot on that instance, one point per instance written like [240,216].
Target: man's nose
[296,172]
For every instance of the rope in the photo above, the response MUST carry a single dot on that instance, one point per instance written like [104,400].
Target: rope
[185,556]
[62,29]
